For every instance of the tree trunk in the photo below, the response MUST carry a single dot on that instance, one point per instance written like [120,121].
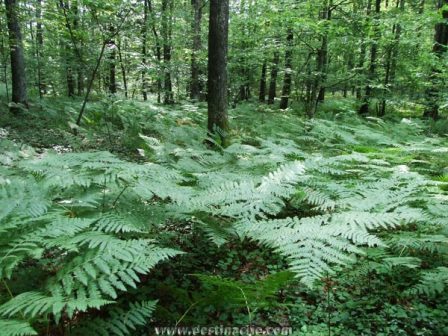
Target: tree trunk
[123,69]
[363,47]
[39,49]
[273,79]
[322,62]
[391,60]
[287,81]
[70,82]
[439,49]
[112,65]
[262,95]
[80,65]
[19,93]
[158,50]
[3,52]
[167,12]
[364,109]
[217,71]
[195,84]
[144,52]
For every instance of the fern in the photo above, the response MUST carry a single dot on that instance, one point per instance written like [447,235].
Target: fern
[120,322]
[91,259]
[16,328]
[432,283]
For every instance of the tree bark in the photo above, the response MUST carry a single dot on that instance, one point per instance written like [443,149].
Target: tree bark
[144,52]
[262,95]
[19,91]
[439,49]
[39,49]
[112,65]
[287,81]
[80,65]
[322,62]
[167,12]
[391,60]
[123,69]
[273,79]
[195,84]
[158,51]
[364,109]
[217,124]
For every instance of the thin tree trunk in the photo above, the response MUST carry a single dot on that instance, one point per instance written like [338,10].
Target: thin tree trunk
[70,82]
[273,79]
[3,52]
[19,91]
[363,48]
[158,51]
[322,67]
[364,109]
[80,65]
[123,70]
[112,66]
[217,124]
[167,11]
[439,49]
[112,69]
[262,95]
[287,81]
[195,84]
[391,59]
[39,49]
[90,85]
[144,52]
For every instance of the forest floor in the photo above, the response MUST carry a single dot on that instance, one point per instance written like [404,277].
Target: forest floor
[372,297]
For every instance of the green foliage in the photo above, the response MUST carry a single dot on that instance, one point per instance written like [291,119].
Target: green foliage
[16,328]
[342,201]
[61,215]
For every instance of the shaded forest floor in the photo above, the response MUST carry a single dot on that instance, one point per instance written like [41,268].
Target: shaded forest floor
[372,297]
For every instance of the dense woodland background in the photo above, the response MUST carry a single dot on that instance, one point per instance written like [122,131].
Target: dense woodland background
[260,163]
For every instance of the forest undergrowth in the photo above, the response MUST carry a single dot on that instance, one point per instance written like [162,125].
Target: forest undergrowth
[332,226]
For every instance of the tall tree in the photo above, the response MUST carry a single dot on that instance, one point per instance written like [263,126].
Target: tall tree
[218,124]
[157,49]
[322,54]
[144,51]
[262,95]
[195,84]
[39,49]
[167,18]
[273,78]
[112,66]
[364,108]
[391,58]
[287,81]
[19,92]
[439,49]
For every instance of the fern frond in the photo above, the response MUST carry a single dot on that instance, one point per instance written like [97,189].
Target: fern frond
[16,328]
